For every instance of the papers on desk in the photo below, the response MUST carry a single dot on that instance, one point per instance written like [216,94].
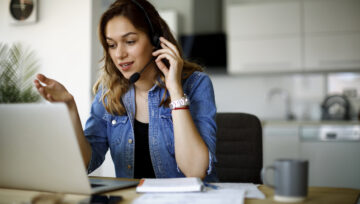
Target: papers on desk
[168,185]
[225,193]
[251,190]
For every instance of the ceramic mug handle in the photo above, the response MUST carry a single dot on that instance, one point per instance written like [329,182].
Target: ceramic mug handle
[263,175]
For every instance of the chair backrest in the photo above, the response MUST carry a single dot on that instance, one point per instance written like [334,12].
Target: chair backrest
[239,148]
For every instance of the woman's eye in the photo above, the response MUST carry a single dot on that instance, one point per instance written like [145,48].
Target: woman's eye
[130,42]
[111,45]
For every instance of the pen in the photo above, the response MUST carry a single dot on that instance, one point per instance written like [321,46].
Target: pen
[211,185]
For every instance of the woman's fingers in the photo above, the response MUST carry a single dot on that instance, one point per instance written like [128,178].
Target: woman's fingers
[37,84]
[44,90]
[44,79]
[169,45]
[173,61]
[160,64]
[163,51]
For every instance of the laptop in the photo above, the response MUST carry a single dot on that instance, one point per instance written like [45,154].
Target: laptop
[39,151]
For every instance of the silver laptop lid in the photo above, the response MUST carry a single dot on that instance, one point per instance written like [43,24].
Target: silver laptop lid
[39,149]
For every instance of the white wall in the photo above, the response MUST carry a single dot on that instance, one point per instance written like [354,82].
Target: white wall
[250,94]
[61,38]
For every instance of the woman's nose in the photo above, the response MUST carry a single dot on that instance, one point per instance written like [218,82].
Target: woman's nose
[121,52]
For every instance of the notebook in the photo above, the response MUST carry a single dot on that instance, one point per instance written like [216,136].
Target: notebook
[189,184]
[39,151]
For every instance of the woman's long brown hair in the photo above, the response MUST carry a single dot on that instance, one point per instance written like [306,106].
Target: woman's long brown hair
[112,83]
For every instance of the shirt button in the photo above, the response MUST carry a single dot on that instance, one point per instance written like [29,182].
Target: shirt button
[129,166]
[130,141]
[113,122]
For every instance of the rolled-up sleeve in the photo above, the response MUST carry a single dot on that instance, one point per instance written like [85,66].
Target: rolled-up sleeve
[203,111]
[96,134]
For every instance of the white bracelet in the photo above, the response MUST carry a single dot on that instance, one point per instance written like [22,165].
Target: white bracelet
[182,102]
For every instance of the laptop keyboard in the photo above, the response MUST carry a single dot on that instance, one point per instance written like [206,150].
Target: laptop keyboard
[93,185]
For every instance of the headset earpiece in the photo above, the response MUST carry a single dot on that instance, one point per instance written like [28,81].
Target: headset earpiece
[156,41]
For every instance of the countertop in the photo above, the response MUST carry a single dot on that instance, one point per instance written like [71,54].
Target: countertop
[308,122]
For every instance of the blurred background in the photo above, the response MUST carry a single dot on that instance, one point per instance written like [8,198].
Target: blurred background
[293,63]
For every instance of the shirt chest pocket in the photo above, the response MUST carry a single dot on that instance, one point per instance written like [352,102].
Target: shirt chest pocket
[118,129]
[167,130]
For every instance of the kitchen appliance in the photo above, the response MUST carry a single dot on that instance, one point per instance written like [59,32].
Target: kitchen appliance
[333,151]
[336,107]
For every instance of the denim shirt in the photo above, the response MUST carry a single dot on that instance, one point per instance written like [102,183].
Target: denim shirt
[104,131]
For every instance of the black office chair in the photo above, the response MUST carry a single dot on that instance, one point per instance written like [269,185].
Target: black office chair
[239,148]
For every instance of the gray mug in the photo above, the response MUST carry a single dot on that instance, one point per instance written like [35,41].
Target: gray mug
[291,179]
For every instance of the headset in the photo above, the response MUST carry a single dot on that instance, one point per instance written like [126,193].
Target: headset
[154,39]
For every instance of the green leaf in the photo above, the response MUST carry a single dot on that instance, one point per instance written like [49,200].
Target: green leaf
[18,67]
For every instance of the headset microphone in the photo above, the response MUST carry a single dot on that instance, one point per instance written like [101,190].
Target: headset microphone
[136,75]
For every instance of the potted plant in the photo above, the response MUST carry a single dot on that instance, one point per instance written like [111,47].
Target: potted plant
[17,69]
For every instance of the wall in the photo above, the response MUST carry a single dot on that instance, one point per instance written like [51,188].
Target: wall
[251,94]
[61,38]
[98,8]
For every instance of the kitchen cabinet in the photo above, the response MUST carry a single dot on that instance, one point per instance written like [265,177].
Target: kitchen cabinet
[331,35]
[264,37]
[332,149]
[331,15]
[264,55]
[293,36]
[264,19]
[332,52]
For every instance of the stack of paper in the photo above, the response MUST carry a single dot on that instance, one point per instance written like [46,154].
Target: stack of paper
[170,185]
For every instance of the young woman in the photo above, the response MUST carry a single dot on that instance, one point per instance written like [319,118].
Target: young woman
[161,125]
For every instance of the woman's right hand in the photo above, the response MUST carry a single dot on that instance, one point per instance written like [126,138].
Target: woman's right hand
[52,90]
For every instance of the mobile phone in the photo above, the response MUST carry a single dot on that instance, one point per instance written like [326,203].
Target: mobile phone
[102,199]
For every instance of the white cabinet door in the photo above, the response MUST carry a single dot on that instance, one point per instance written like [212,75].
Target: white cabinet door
[325,16]
[332,162]
[331,35]
[264,55]
[332,52]
[264,37]
[266,18]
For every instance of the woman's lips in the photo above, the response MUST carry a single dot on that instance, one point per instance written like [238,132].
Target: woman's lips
[126,65]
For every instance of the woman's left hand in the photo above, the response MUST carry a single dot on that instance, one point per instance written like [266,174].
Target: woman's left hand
[173,73]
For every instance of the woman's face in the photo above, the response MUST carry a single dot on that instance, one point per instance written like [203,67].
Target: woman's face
[130,49]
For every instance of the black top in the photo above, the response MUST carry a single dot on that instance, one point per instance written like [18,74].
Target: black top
[143,165]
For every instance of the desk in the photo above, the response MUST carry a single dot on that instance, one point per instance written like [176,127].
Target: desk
[318,195]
